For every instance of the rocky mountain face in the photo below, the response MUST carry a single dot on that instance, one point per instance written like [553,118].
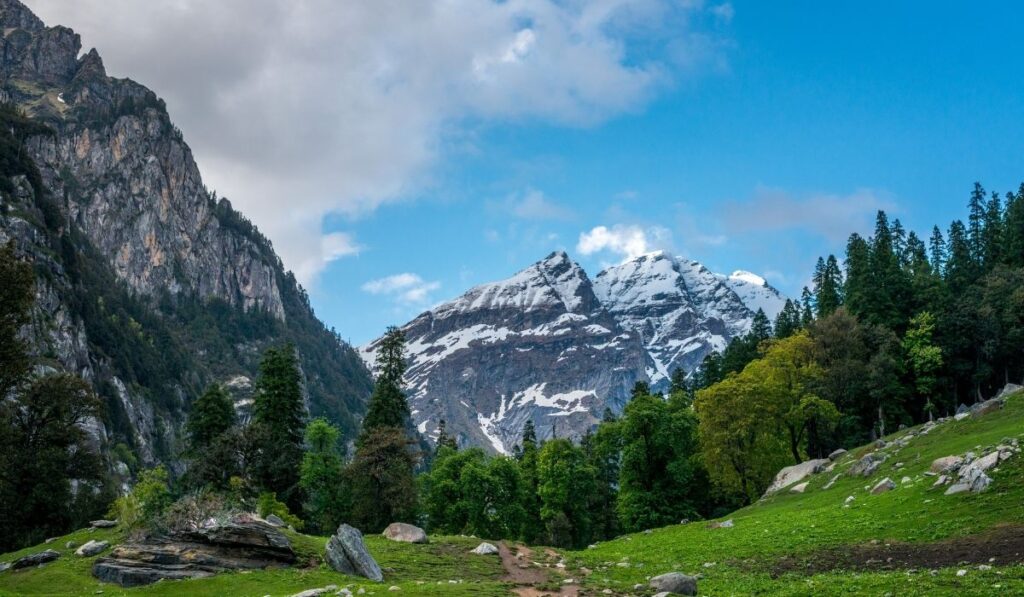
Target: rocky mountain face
[553,346]
[149,286]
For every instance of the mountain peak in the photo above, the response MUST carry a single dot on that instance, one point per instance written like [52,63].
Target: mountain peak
[15,15]
[750,278]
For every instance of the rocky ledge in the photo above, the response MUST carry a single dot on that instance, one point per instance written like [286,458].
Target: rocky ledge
[243,543]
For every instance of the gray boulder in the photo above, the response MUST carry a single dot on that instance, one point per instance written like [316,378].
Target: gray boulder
[946,464]
[675,582]
[867,465]
[795,474]
[883,486]
[836,454]
[346,552]
[35,559]
[92,548]
[275,521]
[485,549]
[405,533]
[103,524]
[989,406]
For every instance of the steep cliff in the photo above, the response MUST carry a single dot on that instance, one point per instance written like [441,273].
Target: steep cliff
[149,286]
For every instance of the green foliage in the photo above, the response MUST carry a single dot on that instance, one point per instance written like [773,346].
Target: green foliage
[381,478]
[660,479]
[43,446]
[146,502]
[17,286]
[467,492]
[278,414]
[212,414]
[923,356]
[565,483]
[388,407]
[268,504]
[321,478]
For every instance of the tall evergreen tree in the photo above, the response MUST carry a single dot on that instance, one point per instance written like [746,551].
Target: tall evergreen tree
[827,286]
[992,234]
[806,307]
[321,477]
[443,439]
[976,223]
[279,414]
[533,527]
[937,251]
[1013,229]
[858,275]
[388,406]
[788,321]
[212,414]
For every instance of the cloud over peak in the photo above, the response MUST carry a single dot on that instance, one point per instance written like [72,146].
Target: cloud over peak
[297,110]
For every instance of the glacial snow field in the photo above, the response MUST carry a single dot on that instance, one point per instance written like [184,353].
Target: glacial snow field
[910,540]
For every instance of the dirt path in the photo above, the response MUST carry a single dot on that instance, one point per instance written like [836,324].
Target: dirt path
[528,575]
[1000,546]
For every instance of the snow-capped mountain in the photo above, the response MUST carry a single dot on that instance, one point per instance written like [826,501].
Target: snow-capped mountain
[549,344]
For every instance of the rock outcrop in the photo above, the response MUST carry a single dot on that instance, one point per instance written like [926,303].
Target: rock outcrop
[796,473]
[675,583]
[35,559]
[346,553]
[240,544]
[145,277]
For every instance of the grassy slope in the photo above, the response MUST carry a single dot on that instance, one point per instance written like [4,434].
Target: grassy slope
[798,524]
[787,524]
[417,569]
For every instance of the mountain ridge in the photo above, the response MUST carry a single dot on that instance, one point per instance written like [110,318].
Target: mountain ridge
[552,345]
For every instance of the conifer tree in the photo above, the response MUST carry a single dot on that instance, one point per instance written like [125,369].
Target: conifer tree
[1013,229]
[321,477]
[788,321]
[992,233]
[937,251]
[533,527]
[212,414]
[443,439]
[806,307]
[976,223]
[858,275]
[388,406]
[279,415]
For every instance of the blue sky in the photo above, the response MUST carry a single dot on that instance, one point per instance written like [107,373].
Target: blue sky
[398,153]
[817,115]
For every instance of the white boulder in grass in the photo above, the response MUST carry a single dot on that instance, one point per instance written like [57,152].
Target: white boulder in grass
[796,473]
[485,549]
[405,533]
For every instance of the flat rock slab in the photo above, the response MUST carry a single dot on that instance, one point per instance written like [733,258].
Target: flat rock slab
[405,533]
[35,559]
[242,544]
[103,524]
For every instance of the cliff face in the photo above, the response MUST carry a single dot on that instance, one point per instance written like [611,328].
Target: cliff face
[553,346]
[119,214]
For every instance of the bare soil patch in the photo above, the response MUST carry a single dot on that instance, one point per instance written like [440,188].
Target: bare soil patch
[1001,546]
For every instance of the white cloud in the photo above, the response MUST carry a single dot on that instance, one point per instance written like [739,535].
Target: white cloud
[627,241]
[533,205]
[296,110]
[831,216]
[406,288]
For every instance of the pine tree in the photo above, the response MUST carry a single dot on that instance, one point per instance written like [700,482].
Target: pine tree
[787,322]
[381,478]
[976,223]
[322,479]
[388,406]
[937,251]
[533,527]
[279,413]
[212,414]
[1013,229]
[827,287]
[992,234]
[640,388]
[960,266]
[443,439]
[760,328]
[858,275]
[806,307]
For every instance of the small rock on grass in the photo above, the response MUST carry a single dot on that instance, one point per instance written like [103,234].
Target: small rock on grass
[675,582]
[485,549]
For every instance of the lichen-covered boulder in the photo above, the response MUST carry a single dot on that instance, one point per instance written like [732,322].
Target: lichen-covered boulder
[346,552]
[405,533]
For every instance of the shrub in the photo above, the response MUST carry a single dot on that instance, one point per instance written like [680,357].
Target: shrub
[268,504]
